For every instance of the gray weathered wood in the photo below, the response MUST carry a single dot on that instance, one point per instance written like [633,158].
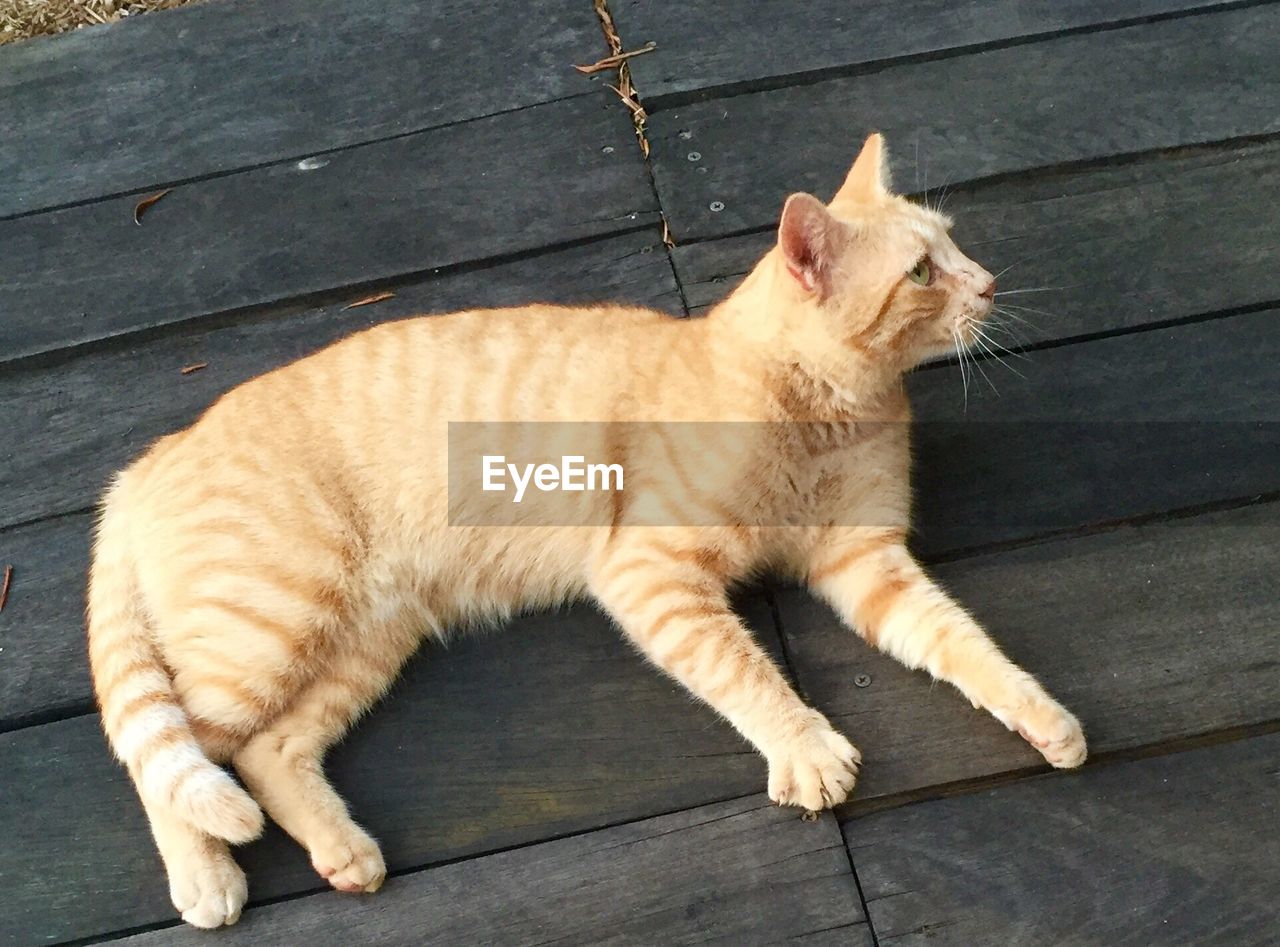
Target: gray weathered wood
[44,669]
[226,85]
[1174,850]
[1149,634]
[1162,238]
[706,49]
[1184,81]
[81,419]
[550,727]
[476,190]
[741,872]
[1097,431]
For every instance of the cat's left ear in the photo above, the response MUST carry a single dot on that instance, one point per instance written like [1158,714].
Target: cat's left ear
[808,237]
[868,179]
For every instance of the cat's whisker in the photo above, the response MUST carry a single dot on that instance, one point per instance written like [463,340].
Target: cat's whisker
[998,316]
[943,194]
[977,363]
[1037,289]
[990,346]
[1017,340]
[1026,259]
[1013,313]
[917,159]
[964,372]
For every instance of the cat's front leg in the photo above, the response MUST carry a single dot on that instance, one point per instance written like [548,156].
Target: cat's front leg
[670,601]
[882,593]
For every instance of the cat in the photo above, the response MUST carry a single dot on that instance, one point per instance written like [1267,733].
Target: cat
[259,578]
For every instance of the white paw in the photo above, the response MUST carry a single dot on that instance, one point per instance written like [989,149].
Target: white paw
[209,889]
[351,861]
[816,769]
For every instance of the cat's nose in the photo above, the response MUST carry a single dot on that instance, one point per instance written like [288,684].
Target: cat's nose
[990,292]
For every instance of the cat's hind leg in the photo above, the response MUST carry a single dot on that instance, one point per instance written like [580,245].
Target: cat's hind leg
[282,766]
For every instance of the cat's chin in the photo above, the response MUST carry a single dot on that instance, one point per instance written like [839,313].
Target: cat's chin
[944,352]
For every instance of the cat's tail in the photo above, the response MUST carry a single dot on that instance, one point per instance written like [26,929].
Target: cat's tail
[141,713]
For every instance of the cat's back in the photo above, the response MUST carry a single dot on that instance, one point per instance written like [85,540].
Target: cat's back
[367,416]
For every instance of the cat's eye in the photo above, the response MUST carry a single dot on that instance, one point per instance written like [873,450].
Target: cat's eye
[921,273]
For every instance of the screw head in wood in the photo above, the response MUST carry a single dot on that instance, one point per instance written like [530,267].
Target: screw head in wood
[862,680]
[716,206]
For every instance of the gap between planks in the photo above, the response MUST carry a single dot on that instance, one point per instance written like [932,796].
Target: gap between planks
[631,95]
[279,162]
[854,809]
[728,90]
[288,306]
[1080,166]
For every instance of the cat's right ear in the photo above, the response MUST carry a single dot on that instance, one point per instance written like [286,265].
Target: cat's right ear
[807,237]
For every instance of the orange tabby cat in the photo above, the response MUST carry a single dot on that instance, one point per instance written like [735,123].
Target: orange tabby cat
[259,578]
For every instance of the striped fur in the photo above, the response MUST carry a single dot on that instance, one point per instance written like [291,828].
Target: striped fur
[141,713]
[259,578]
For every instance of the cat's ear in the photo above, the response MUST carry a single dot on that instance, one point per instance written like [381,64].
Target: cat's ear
[868,179]
[807,237]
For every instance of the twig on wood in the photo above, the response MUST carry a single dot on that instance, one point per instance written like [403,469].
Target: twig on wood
[370,300]
[626,91]
[617,59]
[4,586]
[144,205]
[188,369]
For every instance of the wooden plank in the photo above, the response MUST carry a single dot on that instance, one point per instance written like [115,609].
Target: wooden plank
[988,113]
[82,418]
[1097,432]
[741,872]
[1149,634]
[1117,246]
[223,86]
[687,66]
[552,727]
[1179,849]
[45,670]
[477,190]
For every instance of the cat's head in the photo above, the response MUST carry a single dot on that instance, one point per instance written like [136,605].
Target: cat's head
[878,273]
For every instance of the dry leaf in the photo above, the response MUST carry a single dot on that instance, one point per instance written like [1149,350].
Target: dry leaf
[370,300]
[143,205]
[627,100]
[666,233]
[4,586]
[617,59]
[188,369]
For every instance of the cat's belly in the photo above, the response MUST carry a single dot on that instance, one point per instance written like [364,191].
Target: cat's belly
[463,576]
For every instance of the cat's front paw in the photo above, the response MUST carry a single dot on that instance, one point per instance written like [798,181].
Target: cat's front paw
[351,862]
[1053,730]
[815,769]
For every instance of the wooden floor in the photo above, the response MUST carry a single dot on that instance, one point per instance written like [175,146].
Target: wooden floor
[1113,515]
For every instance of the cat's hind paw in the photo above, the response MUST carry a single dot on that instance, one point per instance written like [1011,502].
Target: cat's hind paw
[815,770]
[352,863]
